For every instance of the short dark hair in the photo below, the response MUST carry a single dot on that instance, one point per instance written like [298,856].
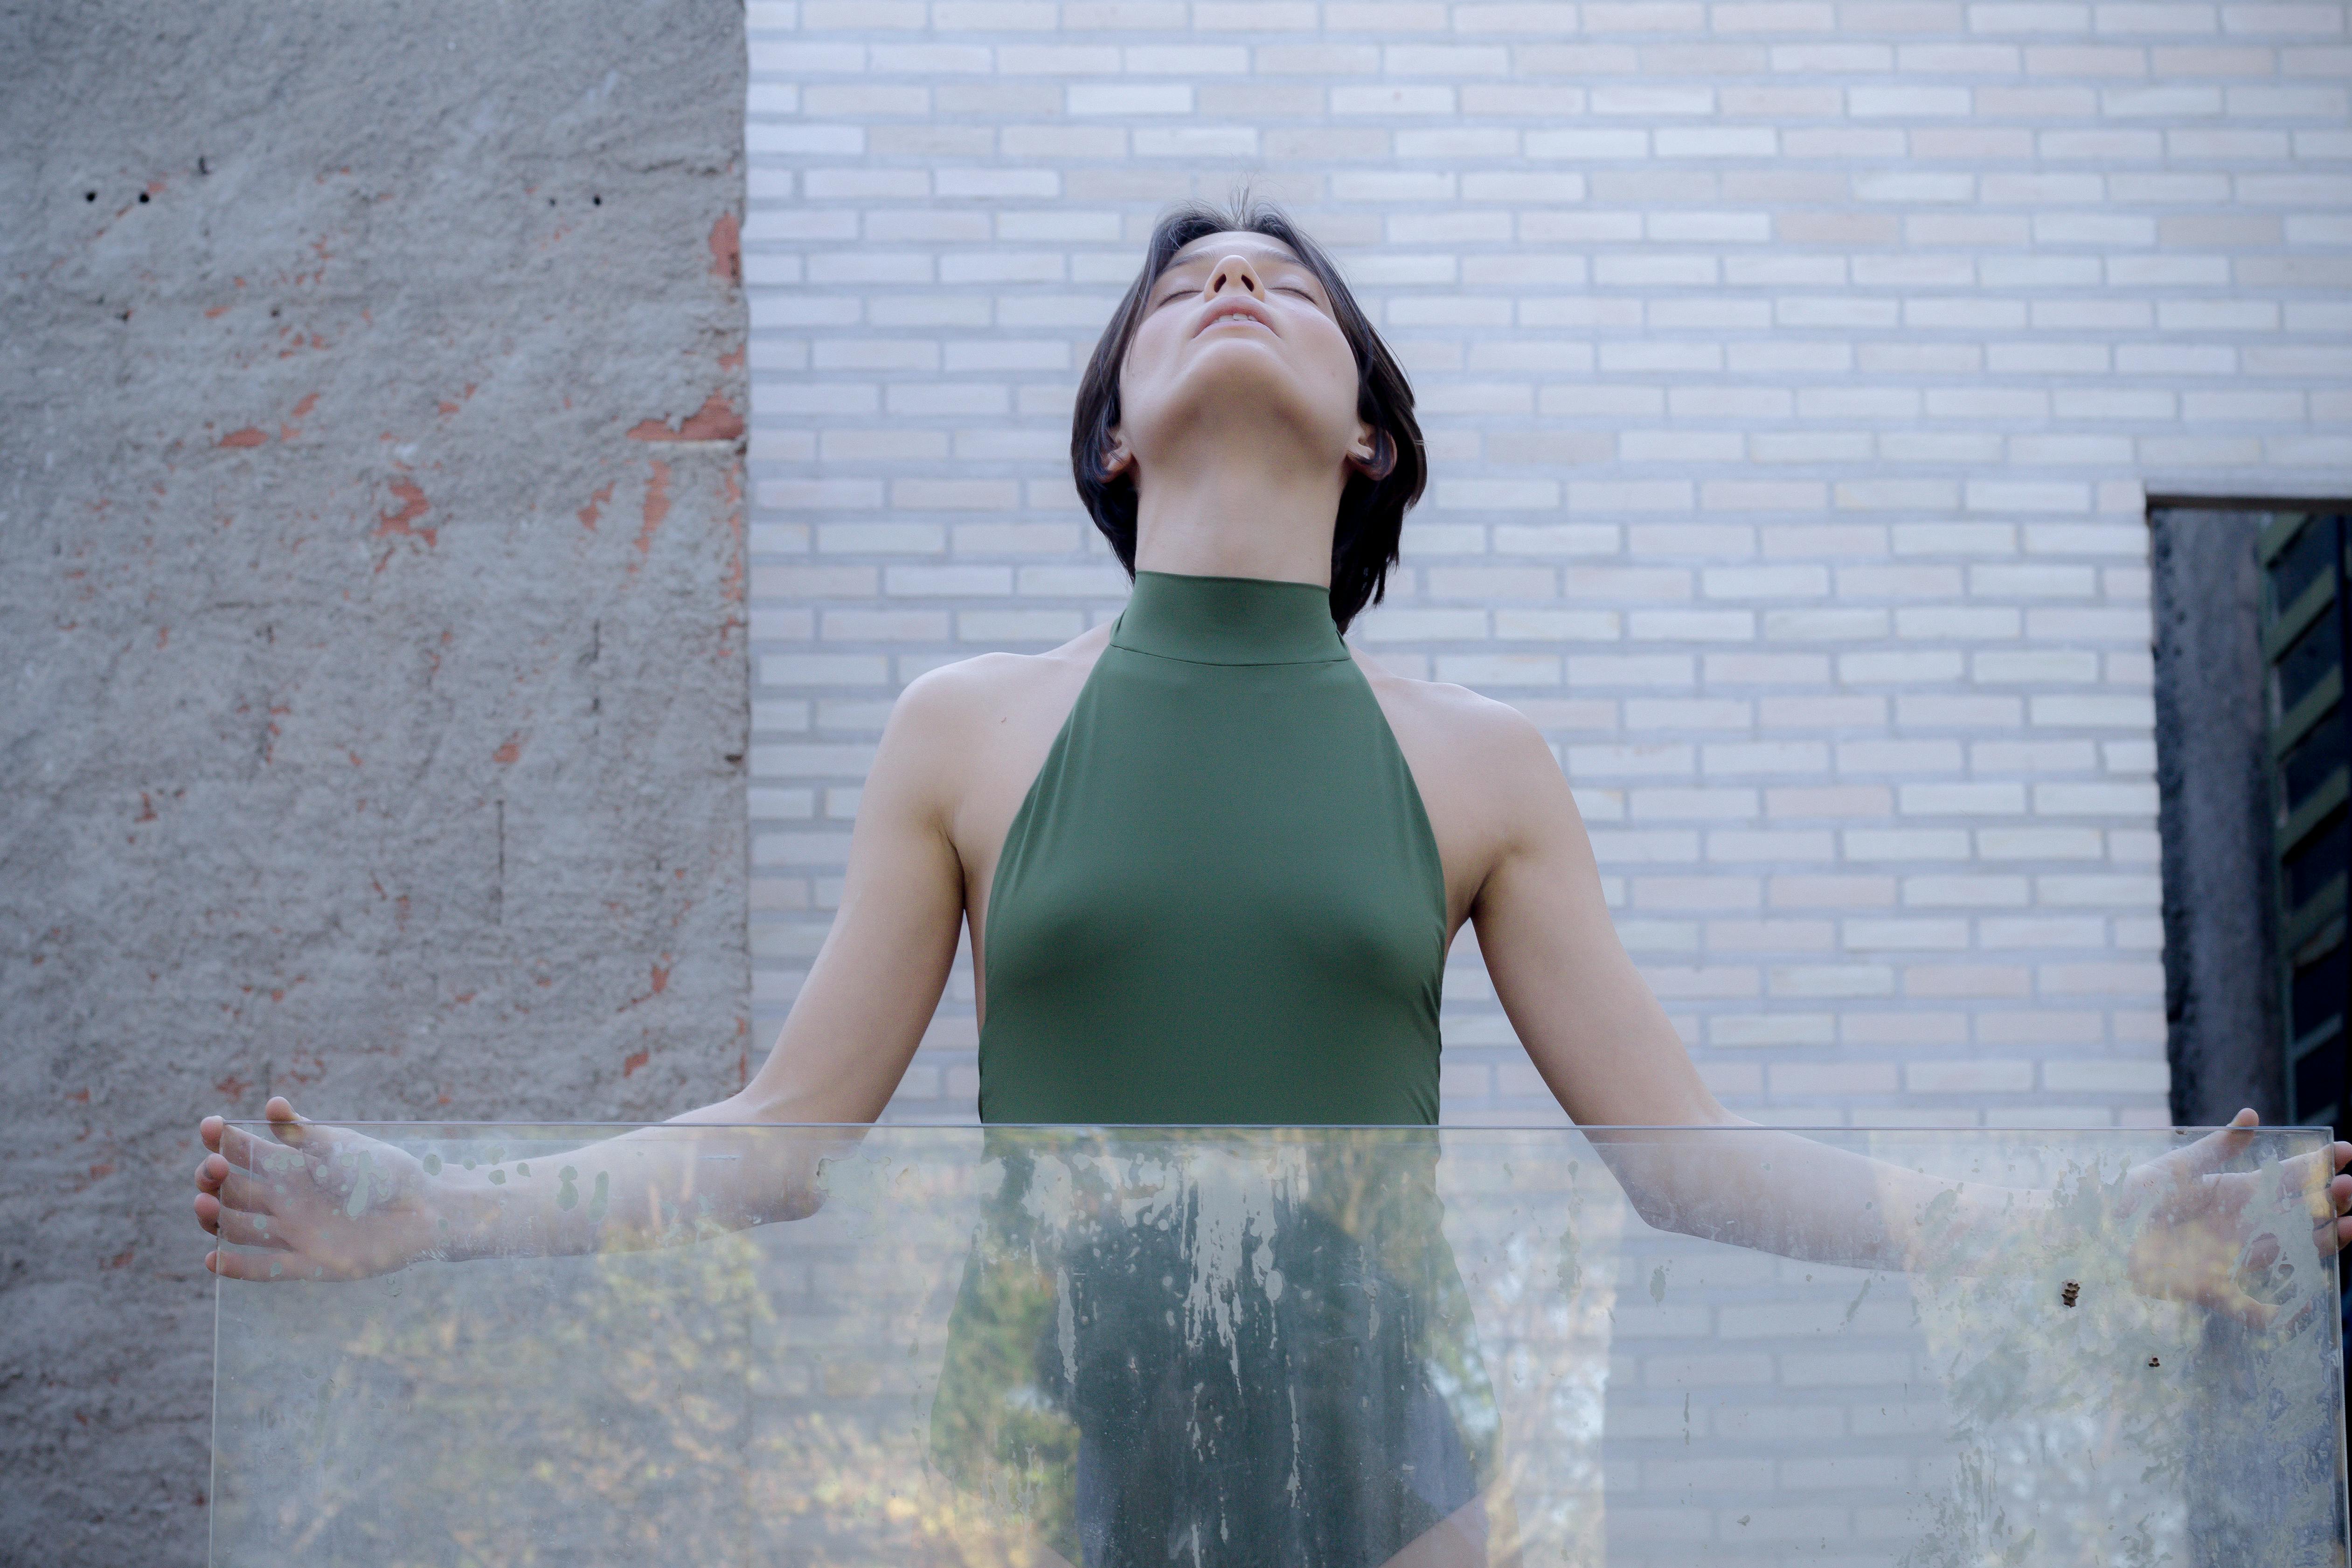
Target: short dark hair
[1371,510]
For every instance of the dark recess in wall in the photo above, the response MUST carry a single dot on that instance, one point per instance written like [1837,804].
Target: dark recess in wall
[2221,935]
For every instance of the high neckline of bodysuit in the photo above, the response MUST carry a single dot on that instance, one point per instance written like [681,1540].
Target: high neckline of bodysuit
[1228,620]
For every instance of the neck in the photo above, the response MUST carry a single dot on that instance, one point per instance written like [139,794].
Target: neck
[1240,512]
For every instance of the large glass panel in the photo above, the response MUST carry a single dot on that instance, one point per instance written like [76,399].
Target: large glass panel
[1343,1347]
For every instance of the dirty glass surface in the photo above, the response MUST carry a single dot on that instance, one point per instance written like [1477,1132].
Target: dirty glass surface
[1006,1346]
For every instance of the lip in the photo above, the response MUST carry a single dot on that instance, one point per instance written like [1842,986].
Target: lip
[1242,305]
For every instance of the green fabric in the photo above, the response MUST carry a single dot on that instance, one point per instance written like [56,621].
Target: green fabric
[1221,901]
[1240,1349]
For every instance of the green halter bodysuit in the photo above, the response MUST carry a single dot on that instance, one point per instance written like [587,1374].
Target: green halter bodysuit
[1221,901]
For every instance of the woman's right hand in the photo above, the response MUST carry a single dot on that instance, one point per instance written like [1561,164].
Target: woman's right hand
[311,1201]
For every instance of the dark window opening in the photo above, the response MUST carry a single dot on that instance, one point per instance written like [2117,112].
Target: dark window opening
[2254,776]
[2306,559]
[2253,738]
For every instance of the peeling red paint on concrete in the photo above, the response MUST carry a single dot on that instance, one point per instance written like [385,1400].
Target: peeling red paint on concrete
[288,431]
[656,507]
[727,249]
[716,420]
[412,505]
[634,1060]
[431,829]
[146,808]
[596,507]
[511,750]
[661,978]
[248,436]
[215,311]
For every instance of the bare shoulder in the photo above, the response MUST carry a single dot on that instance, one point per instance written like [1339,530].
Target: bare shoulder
[1469,730]
[963,740]
[965,700]
[1486,775]
[964,736]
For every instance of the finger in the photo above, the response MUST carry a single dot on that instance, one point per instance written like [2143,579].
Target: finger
[320,1140]
[262,1267]
[208,1131]
[241,1148]
[284,1125]
[241,1227]
[255,1195]
[246,1151]
[2313,1177]
[2218,1147]
[2327,1202]
[211,1170]
[2329,1177]
[238,1226]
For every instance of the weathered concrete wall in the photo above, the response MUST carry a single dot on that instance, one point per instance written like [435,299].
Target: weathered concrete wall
[370,605]
[2220,933]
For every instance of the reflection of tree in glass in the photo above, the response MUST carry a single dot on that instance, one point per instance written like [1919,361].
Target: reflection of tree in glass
[2091,1417]
[994,1430]
[1258,1341]
[469,1411]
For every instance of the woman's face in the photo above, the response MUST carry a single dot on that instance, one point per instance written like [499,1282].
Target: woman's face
[1237,343]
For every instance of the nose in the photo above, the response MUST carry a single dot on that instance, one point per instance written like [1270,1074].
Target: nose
[1235,272]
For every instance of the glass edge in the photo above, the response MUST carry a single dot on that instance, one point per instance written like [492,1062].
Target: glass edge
[520,1126]
[212,1439]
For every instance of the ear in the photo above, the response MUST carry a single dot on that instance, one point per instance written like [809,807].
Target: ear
[1118,457]
[1373,451]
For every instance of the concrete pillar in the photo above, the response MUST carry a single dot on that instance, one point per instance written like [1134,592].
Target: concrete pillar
[372,615]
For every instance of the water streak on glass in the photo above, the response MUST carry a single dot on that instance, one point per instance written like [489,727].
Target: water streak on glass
[1342,1347]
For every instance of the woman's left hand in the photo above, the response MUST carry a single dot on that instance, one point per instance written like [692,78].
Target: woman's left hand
[2191,1238]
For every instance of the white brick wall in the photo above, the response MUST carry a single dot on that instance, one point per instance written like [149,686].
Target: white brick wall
[1793,375]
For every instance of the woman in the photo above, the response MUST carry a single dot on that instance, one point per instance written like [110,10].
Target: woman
[1212,860]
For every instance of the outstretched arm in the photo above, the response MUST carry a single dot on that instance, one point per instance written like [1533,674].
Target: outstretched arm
[311,1201]
[1609,1055]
